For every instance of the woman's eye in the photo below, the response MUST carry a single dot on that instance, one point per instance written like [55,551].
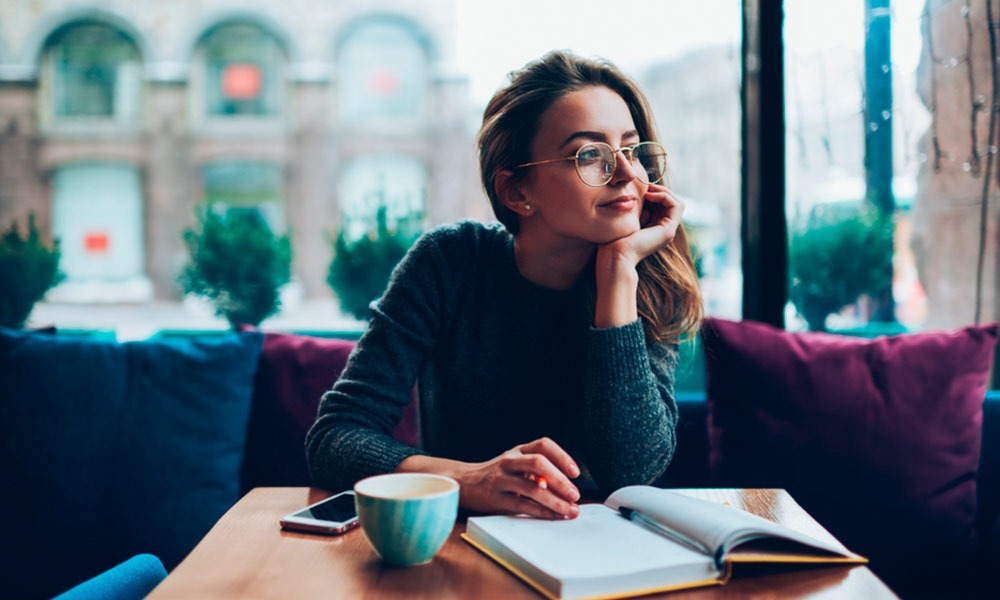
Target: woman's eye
[588,155]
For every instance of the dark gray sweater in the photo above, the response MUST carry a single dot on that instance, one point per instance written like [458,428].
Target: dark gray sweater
[501,361]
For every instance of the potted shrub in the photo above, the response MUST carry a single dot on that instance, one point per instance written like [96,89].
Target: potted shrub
[359,271]
[28,268]
[835,258]
[237,263]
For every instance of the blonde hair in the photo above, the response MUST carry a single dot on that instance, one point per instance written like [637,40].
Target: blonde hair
[669,298]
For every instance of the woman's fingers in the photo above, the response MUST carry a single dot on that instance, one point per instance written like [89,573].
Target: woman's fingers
[551,450]
[537,472]
[660,218]
[531,479]
[526,488]
[662,207]
[517,505]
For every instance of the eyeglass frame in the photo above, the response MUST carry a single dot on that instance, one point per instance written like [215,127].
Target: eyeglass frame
[630,150]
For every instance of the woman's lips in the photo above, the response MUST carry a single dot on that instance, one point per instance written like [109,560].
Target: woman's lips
[625,203]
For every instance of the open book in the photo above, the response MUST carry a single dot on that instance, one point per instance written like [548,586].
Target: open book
[643,540]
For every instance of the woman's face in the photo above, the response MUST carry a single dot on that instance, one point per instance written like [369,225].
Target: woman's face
[563,205]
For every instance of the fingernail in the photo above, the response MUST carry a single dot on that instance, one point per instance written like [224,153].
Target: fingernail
[574,470]
[574,495]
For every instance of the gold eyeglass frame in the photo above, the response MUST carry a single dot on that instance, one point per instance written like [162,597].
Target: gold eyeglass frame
[629,152]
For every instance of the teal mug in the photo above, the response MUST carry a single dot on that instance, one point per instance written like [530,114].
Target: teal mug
[407,517]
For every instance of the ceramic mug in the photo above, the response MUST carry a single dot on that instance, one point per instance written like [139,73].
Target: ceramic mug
[407,517]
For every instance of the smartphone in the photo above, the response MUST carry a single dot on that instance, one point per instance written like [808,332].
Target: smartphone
[336,514]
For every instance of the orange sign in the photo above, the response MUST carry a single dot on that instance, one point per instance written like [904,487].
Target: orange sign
[96,242]
[241,81]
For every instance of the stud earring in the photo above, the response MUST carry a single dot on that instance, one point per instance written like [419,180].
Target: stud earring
[527,207]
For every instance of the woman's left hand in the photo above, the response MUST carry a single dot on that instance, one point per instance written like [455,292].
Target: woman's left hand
[615,270]
[658,222]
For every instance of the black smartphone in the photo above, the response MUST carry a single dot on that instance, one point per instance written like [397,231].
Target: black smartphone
[336,514]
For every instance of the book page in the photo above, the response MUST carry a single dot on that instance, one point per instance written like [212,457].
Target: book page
[714,525]
[599,543]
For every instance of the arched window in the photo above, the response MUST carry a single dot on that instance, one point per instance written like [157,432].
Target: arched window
[382,73]
[246,186]
[240,71]
[91,71]
[393,181]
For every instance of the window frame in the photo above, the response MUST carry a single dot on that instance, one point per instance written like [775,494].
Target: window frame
[388,121]
[764,227]
[237,125]
[50,121]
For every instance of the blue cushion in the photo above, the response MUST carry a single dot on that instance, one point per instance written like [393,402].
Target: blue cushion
[134,579]
[116,449]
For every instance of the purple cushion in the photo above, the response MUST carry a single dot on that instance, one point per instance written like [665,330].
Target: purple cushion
[878,439]
[293,373]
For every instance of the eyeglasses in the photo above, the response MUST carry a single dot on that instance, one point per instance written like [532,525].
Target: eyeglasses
[596,162]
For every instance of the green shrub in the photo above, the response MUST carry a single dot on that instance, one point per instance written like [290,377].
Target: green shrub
[28,269]
[359,271]
[834,259]
[237,263]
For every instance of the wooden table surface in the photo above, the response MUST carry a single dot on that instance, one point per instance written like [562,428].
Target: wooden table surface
[248,555]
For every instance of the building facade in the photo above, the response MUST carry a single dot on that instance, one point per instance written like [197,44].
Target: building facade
[118,118]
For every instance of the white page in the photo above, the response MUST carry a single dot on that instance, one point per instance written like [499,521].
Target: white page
[600,542]
[706,521]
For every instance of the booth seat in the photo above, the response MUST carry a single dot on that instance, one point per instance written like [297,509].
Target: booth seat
[121,449]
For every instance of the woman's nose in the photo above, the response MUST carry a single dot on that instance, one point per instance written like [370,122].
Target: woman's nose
[624,171]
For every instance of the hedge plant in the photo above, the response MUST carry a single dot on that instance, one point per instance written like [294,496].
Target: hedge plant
[237,263]
[359,271]
[835,258]
[28,269]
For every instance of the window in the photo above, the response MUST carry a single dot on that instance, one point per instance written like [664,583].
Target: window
[382,73]
[241,68]
[240,186]
[92,71]
[854,124]
[97,216]
[396,182]
[696,103]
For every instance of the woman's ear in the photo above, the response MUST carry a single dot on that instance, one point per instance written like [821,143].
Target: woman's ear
[508,189]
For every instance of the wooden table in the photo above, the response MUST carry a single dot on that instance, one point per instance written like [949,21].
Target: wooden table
[248,555]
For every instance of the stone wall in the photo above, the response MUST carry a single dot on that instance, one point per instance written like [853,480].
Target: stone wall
[955,81]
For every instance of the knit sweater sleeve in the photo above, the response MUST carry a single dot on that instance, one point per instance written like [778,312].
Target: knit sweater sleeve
[629,414]
[351,437]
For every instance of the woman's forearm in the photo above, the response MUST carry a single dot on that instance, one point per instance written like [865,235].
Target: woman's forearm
[617,284]
[628,415]
[421,463]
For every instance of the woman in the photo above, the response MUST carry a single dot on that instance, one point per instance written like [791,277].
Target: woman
[545,341]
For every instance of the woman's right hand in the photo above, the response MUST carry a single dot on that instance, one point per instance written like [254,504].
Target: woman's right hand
[531,479]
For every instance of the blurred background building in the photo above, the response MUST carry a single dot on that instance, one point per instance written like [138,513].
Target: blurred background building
[119,117]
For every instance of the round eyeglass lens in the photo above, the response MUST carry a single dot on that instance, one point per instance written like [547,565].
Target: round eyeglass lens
[595,163]
[651,159]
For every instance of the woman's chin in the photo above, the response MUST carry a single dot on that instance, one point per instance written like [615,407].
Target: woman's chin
[622,230]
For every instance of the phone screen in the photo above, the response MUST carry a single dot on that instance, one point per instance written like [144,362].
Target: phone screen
[338,509]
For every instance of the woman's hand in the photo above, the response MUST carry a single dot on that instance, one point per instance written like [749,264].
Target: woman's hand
[658,222]
[532,479]
[615,269]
